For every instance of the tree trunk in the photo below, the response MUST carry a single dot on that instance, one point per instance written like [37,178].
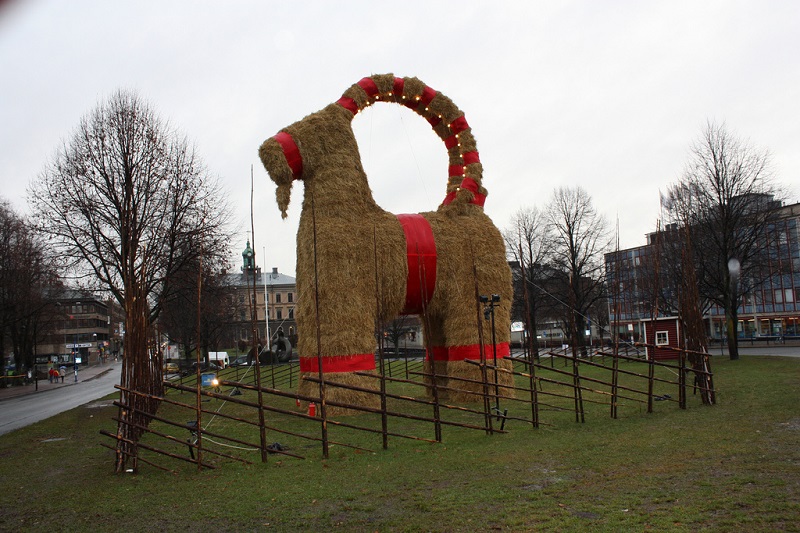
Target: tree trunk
[140,373]
[731,320]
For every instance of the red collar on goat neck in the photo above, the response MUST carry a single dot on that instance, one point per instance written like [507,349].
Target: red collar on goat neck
[472,186]
[291,153]
[421,256]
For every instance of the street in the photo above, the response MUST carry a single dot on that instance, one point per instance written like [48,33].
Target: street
[27,409]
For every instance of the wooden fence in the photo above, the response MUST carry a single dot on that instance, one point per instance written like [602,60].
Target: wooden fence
[236,418]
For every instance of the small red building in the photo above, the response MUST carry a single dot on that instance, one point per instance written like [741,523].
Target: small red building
[662,332]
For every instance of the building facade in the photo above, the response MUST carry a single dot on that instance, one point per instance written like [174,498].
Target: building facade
[87,330]
[269,297]
[772,310]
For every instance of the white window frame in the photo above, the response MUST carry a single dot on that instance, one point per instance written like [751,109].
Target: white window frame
[662,338]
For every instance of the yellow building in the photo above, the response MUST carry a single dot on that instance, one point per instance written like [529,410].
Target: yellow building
[250,289]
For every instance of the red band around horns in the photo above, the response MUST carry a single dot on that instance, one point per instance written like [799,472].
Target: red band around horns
[368,84]
[423,100]
[471,157]
[397,88]
[459,125]
[470,185]
[348,103]
[455,170]
[433,120]
[426,96]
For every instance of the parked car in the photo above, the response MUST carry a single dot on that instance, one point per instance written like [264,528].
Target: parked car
[240,361]
[210,367]
[171,368]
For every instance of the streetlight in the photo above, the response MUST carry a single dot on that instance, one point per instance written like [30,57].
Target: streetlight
[75,350]
[488,313]
[35,374]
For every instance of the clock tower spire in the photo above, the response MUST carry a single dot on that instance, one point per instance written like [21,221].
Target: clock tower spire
[248,258]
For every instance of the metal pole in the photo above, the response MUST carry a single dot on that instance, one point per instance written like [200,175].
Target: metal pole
[75,357]
[35,376]
[266,302]
[494,359]
[75,348]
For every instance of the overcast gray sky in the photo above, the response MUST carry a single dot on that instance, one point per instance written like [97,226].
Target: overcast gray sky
[607,95]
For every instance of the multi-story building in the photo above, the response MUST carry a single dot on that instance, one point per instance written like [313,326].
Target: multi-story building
[86,330]
[770,310]
[279,291]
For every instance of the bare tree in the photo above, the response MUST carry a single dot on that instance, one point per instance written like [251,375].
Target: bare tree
[728,200]
[598,314]
[580,237]
[27,283]
[178,319]
[396,330]
[671,278]
[130,202]
[527,241]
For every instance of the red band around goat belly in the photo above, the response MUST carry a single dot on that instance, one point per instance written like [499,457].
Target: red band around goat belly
[472,351]
[339,363]
[421,257]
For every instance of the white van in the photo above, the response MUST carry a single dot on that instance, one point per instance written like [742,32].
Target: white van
[219,358]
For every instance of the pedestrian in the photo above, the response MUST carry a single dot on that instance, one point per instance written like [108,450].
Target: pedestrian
[61,372]
[50,374]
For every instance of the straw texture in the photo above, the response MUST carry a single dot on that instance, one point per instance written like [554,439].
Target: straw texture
[352,266]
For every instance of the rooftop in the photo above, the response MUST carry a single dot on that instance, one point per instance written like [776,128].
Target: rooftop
[269,278]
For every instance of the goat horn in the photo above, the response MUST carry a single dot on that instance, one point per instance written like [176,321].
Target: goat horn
[465,172]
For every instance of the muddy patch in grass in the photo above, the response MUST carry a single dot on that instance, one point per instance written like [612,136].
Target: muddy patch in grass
[791,425]
[99,404]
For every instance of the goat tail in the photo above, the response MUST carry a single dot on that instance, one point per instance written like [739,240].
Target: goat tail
[465,172]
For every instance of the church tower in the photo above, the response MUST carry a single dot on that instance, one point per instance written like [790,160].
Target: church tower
[248,259]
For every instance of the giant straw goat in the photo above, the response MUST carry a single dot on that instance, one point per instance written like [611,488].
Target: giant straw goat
[359,266]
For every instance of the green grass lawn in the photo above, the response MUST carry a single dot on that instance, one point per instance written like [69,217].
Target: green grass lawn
[732,466]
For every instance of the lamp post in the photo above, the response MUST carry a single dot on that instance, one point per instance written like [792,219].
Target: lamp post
[75,350]
[266,301]
[488,313]
[35,374]
[64,330]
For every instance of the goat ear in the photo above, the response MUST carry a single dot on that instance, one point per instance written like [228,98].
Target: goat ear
[274,162]
[283,194]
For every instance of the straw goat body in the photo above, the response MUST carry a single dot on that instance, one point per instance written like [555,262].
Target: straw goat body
[341,296]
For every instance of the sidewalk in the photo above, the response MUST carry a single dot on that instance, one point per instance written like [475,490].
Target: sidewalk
[84,374]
